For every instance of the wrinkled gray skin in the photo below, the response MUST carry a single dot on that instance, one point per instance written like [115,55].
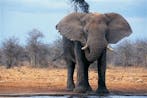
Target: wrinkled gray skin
[85,38]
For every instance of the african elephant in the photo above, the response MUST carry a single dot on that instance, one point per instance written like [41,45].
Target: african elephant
[85,38]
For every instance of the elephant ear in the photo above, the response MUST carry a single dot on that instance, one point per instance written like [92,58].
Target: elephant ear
[71,27]
[118,28]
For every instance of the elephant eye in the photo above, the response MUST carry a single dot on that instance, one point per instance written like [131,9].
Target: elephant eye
[85,35]
[86,30]
[100,21]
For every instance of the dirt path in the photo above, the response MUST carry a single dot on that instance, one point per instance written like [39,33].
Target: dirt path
[26,80]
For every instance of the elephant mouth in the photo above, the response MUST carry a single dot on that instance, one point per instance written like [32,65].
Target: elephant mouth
[89,52]
[86,47]
[93,52]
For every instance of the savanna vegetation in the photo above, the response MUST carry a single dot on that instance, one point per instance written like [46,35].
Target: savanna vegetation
[36,53]
[40,67]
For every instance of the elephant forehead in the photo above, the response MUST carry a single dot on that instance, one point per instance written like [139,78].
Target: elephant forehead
[96,14]
[97,17]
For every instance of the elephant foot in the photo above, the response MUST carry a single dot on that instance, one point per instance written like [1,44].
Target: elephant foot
[83,89]
[8,67]
[70,87]
[102,91]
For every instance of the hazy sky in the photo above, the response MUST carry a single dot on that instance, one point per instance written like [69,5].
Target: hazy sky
[18,17]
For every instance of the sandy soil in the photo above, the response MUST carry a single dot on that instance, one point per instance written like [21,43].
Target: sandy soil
[23,80]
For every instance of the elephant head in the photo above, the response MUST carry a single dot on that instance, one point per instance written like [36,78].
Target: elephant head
[95,31]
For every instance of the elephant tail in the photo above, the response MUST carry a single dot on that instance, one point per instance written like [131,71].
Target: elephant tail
[58,57]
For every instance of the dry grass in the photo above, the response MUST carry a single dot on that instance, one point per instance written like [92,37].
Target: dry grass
[34,80]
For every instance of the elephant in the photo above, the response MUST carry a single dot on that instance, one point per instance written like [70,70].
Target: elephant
[85,39]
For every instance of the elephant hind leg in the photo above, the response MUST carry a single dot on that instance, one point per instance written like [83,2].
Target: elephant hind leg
[70,72]
[87,77]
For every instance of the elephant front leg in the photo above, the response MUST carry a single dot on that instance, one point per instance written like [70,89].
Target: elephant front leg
[82,84]
[70,72]
[102,89]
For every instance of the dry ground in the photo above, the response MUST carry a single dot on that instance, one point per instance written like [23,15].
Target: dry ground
[47,80]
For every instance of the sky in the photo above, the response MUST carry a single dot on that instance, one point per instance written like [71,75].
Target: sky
[18,17]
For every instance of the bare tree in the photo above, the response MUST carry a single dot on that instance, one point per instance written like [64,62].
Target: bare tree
[1,53]
[141,52]
[130,54]
[11,52]
[127,52]
[37,50]
[56,53]
[56,48]
[80,5]
[43,54]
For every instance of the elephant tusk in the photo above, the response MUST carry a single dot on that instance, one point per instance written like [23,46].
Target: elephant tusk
[72,39]
[85,47]
[110,48]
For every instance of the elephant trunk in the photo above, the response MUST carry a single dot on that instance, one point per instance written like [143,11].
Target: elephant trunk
[93,49]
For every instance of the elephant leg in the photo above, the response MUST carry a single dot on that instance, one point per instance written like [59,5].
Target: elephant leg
[102,89]
[81,84]
[70,72]
[87,77]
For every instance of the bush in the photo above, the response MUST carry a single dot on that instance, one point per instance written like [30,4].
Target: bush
[130,54]
[11,52]
[38,52]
